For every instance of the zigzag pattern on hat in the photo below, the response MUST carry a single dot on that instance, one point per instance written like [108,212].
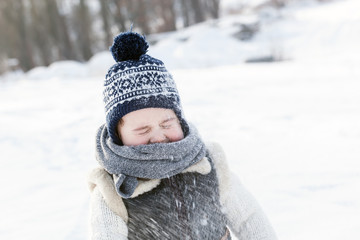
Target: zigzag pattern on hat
[135,83]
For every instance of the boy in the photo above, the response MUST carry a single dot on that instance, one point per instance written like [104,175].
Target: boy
[158,180]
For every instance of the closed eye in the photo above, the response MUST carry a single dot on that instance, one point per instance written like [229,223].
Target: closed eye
[166,126]
[145,131]
[168,123]
[142,130]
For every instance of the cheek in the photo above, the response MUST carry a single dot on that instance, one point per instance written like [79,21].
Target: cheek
[175,134]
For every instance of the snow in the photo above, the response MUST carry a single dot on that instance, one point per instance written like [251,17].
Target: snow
[290,129]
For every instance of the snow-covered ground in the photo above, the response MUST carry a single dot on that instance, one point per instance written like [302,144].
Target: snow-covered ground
[290,129]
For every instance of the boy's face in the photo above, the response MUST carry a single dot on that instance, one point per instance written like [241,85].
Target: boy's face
[149,125]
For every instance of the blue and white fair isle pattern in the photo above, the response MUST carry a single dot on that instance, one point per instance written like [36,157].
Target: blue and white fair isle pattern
[136,81]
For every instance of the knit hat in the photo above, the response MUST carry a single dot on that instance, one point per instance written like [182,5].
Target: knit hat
[137,81]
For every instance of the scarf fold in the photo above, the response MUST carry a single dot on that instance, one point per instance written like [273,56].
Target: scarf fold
[151,161]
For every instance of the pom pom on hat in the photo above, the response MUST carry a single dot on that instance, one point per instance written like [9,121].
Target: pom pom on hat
[128,46]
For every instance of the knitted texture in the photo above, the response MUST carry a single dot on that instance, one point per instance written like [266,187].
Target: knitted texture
[153,161]
[108,225]
[184,206]
[243,214]
[135,82]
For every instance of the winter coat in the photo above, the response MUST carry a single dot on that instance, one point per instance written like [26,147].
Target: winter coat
[199,203]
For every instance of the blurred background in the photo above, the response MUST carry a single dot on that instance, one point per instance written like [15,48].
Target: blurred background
[37,33]
[275,82]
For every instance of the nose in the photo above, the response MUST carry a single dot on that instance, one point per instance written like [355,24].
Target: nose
[158,137]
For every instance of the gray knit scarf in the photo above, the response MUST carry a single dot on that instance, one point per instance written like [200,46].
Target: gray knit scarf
[152,161]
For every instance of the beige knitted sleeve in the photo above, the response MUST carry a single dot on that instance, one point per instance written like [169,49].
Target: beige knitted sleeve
[104,223]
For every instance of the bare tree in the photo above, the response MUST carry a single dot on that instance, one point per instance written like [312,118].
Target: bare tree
[167,13]
[9,33]
[106,23]
[66,45]
[185,9]
[213,7]
[197,11]
[83,31]
[119,14]
[40,34]
[141,15]
[15,14]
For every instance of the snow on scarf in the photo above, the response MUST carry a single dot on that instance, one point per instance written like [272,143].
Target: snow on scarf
[152,161]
